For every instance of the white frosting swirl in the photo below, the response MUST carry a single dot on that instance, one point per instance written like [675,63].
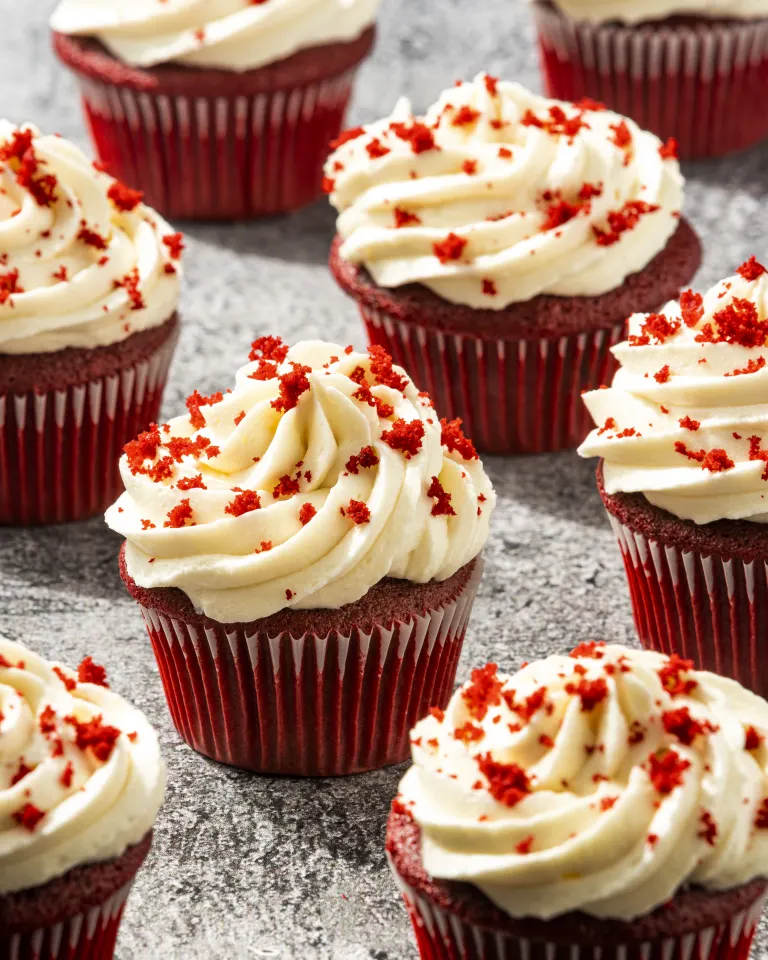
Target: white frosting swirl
[77,267]
[81,776]
[639,11]
[224,34]
[602,783]
[274,509]
[686,419]
[498,195]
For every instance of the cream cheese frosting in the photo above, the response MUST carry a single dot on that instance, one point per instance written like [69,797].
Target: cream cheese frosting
[498,195]
[83,262]
[605,781]
[322,472]
[685,421]
[81,776]
[638,11]
[223,34]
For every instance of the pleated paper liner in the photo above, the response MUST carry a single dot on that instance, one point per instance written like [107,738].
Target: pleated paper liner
[59,449]
[703,82]
[309,705]
[514,396]
[706,608]
[87,936]
[442,935]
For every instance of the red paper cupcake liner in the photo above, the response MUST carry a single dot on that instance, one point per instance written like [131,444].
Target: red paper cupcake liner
[442,935]
[309,705]
[218,158]
[702,83]
[86,936]
[514,396]
[704,608]
[59,449]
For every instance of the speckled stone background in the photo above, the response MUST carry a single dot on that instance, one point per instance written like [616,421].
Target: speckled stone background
[253,867]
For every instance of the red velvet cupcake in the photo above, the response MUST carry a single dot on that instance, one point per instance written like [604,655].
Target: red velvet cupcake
[214,116]
[89,285]
[681,433]
[305,552]
[81,782]
[497,274]
[579,808]
[691,70]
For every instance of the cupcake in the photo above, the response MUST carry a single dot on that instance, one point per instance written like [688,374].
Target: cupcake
[497,245]
[81,782]
[605,805]
[683,473]
[305,551]
[89,284]
[218,111]
[695,70]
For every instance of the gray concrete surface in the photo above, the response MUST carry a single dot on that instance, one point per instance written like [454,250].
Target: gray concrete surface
[249,867]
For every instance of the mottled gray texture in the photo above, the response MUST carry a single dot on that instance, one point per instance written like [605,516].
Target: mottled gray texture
[246,866]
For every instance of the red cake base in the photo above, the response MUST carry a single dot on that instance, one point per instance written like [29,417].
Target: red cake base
[215,144]
[455,921]
[310,692]
[65,417]
[701,81]
[700,591]
[514,376]
[73,917]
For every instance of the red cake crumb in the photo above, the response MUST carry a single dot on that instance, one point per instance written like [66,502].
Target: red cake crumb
[363,460]
[464,116]
[68,682]
[469,733]
[382,370]
[620,221]
[483,691]
[469,167]
[656,329]
[376,149]
[356,511]
[100,737]
[192,483]
[507,782]
[47,719]
[403,218]
[20,773]
[489,287]
[246,501]
[268,348]
[666,770]
[286,487]
[90,672]
[437,713]
[417,134]
[691,307]
[761,819]
[622,136]
[306,513]
[124,198]
[738,322]
[292,386]
[687,423]
[179,515]
[195,401]
[405,436]
[557,123]
[28,817]
[453,439]
[559,213]
[9,284]
[669,150]
[532,704]
[752,739]
[708,831]
[525,845]
[589,649]
[346,136]
[442,506]
[451,248]
[491,84]
[751,269]
[679,723]
[591,692]
[673,679]
[607,802]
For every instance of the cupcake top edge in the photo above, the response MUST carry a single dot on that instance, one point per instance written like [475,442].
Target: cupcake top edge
[81,775]
[214,34]
[322,472]
[605,781]
[83,261]
[497,195]
[652,11]
[685,420]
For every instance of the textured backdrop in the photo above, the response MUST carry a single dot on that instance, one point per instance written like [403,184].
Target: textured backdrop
[253,867]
